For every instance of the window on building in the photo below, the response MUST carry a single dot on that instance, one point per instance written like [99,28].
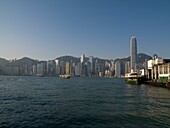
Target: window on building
[165,69]
[168,68]
[160,69]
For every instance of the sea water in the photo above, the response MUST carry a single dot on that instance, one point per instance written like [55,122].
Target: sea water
[27,101]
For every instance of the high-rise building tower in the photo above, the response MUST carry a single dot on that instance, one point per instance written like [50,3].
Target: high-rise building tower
[82,68]
[117,69]
[133,54]
[82,59]
[127,67]
[67,68]
[91,64]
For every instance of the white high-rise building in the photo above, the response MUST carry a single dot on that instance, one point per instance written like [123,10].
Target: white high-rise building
[57,62]
[82,59]
[133,54]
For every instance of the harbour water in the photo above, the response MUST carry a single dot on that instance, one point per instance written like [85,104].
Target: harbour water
[81,102]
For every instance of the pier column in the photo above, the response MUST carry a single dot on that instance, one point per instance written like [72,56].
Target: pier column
[152,72]
[155,72]
[158,71]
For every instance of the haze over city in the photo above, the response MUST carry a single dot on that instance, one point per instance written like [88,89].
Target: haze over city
[46,29]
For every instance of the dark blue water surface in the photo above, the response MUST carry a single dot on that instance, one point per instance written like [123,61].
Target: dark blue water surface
[81,102]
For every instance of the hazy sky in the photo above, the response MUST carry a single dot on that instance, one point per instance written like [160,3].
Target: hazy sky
[46,29]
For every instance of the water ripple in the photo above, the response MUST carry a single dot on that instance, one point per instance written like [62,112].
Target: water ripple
[81,102]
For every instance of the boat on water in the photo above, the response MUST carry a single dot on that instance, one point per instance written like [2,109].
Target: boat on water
[65,76]
[133,78]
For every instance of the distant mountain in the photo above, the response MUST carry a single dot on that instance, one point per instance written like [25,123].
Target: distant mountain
[22,62]
[28,61]
[141,58]
[68,58]
[75,59]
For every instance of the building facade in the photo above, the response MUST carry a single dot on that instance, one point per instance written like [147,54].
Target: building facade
[91,64]
[117,69]
[67,68]
[127,67]
[82,59]
[159,69]
[133,54]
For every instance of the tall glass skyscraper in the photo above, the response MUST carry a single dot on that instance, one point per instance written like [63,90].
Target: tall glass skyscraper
[133,54]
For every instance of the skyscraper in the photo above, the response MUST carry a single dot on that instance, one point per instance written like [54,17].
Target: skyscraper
[57,62]
[78,69]
[82,59]
[127,65]
[133,54]
[67,68]
[82,69]
[117,69]
[92,64]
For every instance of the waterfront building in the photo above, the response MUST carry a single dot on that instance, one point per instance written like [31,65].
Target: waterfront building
[21,70]
[41,69]
[67,68]
[78,69]
[72,68]
[108,73]
[51,67]
[58,70]
[88,69]
[100,74]
[82,59]
[57,64]
[92,64]
[26,71]
[82,67]
[112,67]
[164,71]
[12,70]
[159,69]
[117,69]
[96,68]
[62,67]
[107,69]
[34,68]
[99,67]
[133,54]
[127,67]
[16,70]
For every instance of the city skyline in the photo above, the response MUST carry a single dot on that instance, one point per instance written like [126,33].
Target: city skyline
[48,29]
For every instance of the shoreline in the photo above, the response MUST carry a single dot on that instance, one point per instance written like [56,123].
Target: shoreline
[157,84]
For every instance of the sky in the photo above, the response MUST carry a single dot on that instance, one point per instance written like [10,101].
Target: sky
[47,29]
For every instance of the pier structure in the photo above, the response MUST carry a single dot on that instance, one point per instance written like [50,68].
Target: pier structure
[159,70]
